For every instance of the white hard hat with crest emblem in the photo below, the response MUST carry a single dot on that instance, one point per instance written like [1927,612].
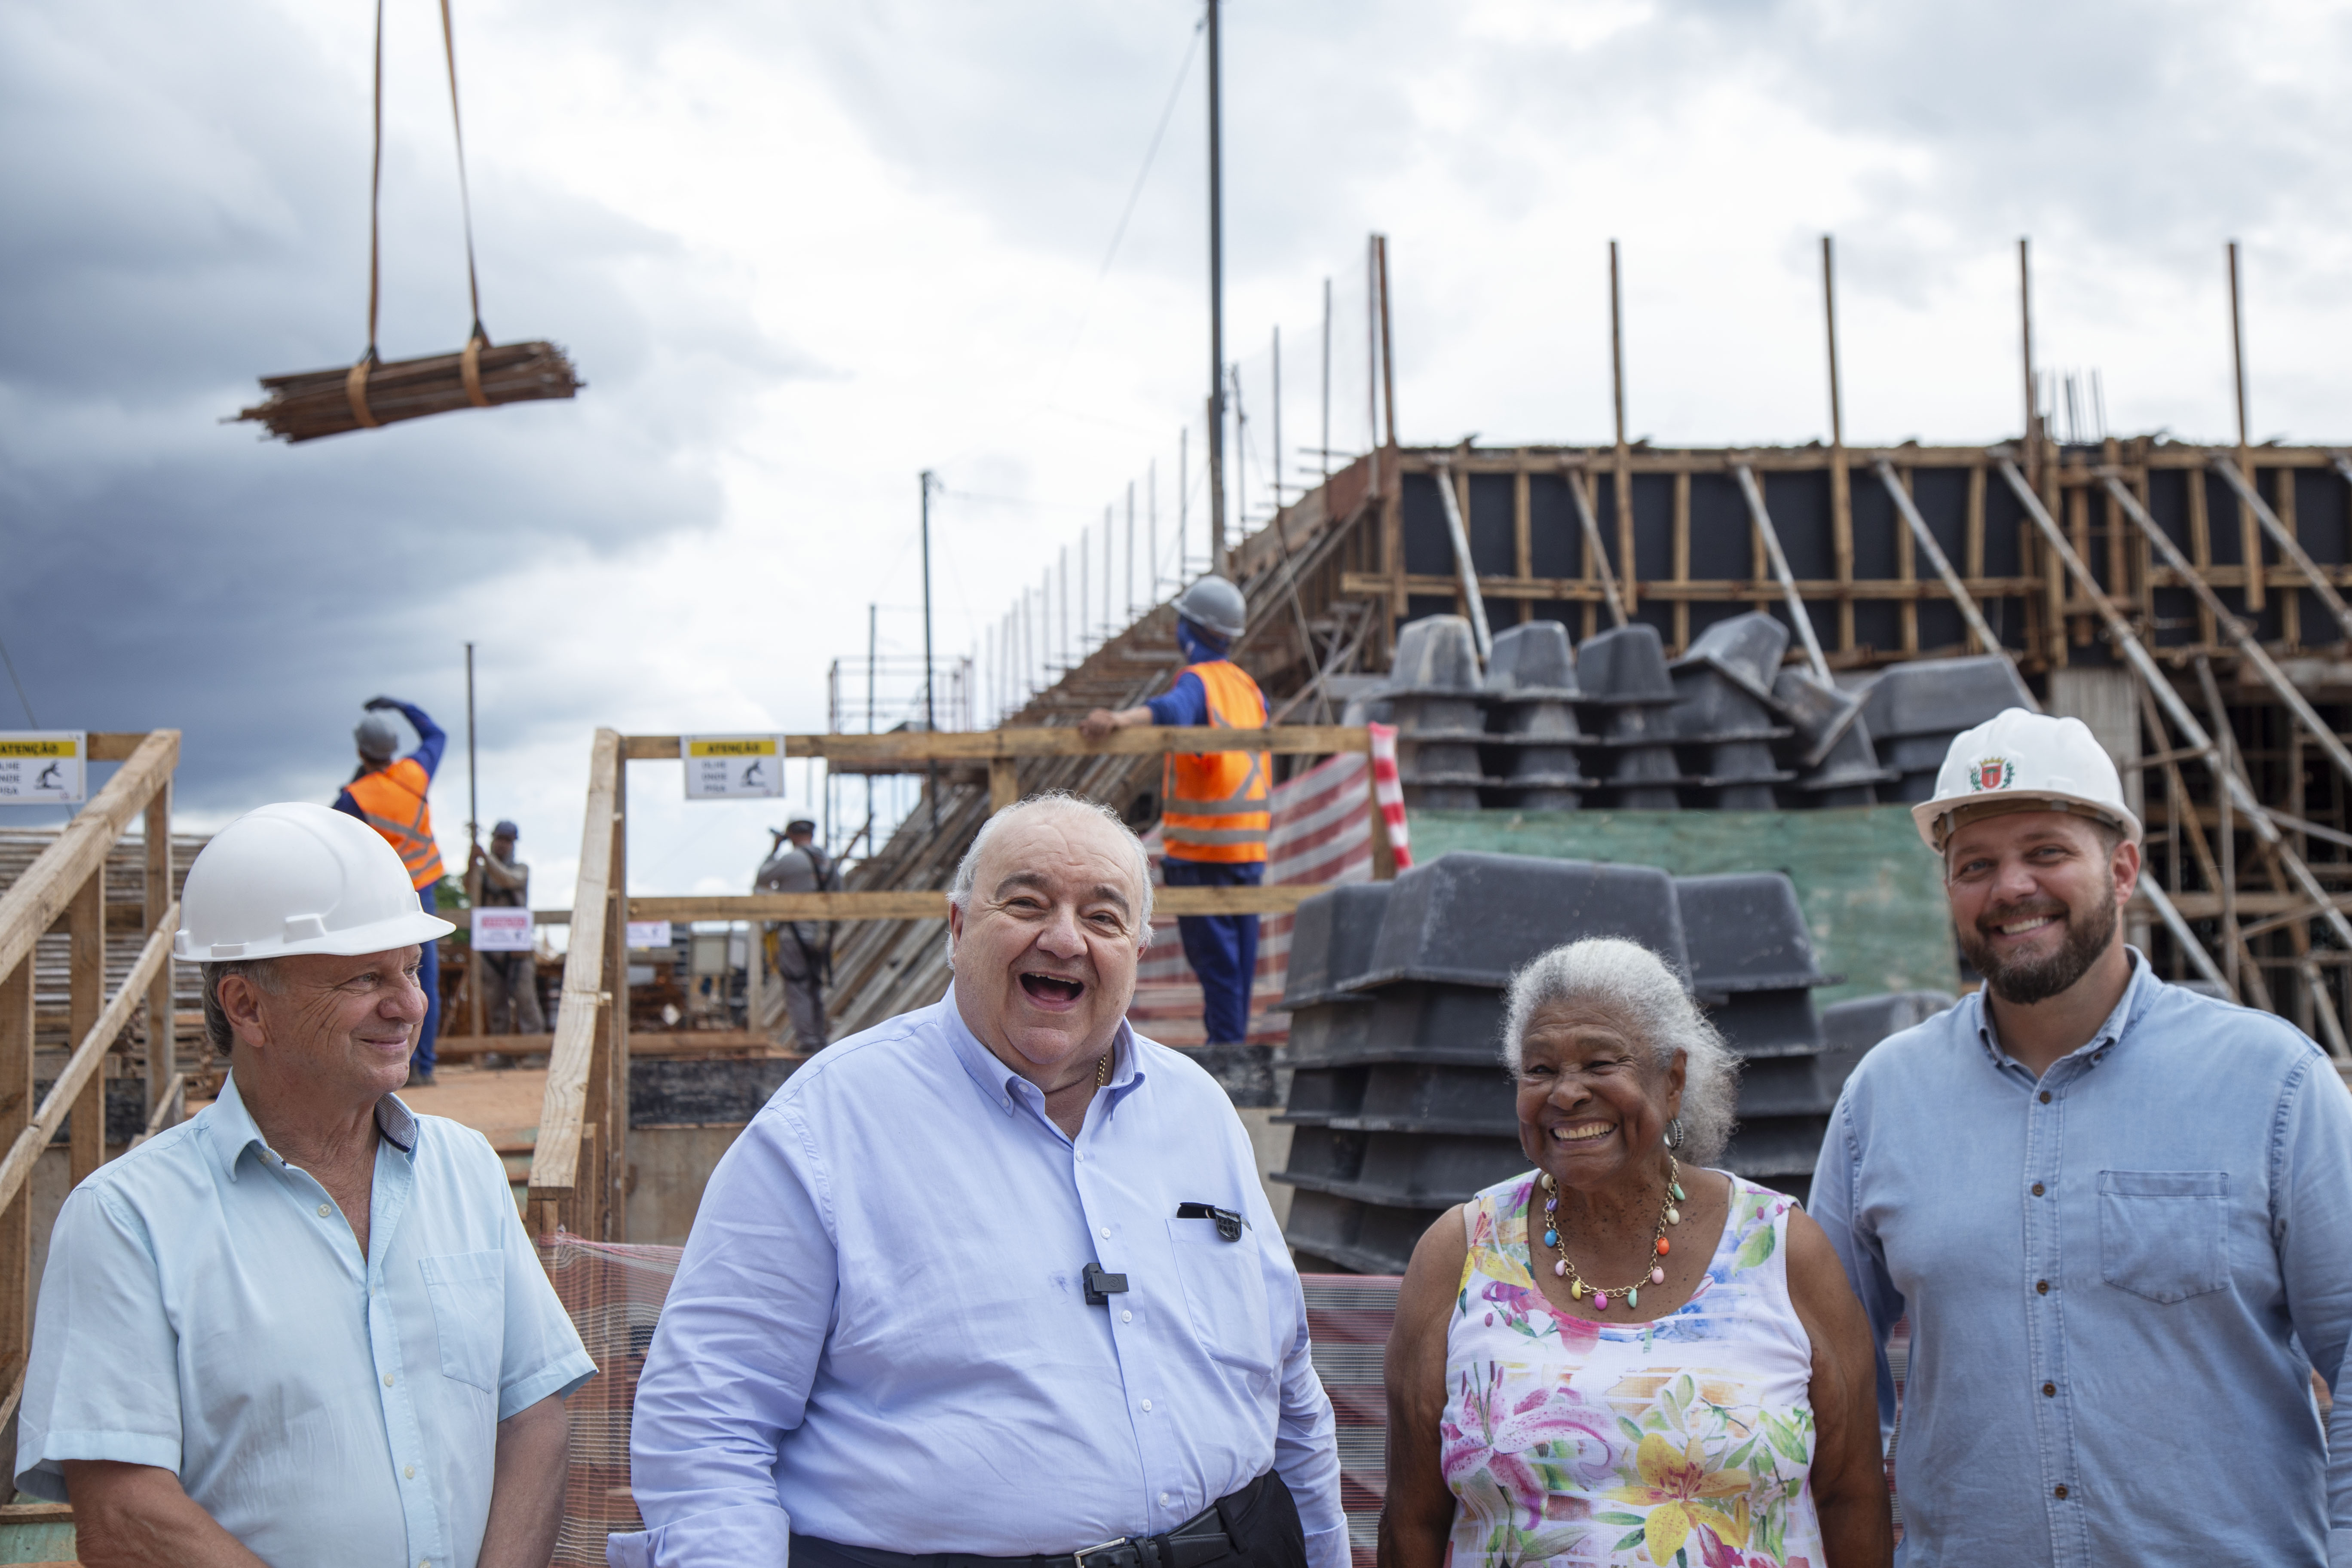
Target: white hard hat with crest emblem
[2018,761]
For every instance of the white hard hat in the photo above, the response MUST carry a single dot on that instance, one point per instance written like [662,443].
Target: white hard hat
[2018,761]
[297,878]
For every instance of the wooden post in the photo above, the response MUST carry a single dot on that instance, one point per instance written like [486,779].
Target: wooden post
[2250,532]
[162,1042]
[1388,341]
[1383,852]
[1522,537]
[1841,483]
[2078,519]
[16,1282]
[86,999]
[2033,393]
[1630,590]
[1681,560]
[2290,608]
[614,1125]
[1906,569]
[2201,548]
[1004,783]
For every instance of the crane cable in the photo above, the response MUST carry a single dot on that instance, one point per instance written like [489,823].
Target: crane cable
[469,365]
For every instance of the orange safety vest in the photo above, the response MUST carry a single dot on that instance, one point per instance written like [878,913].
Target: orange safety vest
[394,802]
[1214,805]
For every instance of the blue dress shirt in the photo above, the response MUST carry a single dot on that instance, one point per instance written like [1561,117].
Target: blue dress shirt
[2119,1277]
[205,1311]
[879,1333]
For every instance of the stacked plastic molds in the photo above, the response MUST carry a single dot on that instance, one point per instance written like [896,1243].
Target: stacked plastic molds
[1724,715]
[1915,710]
[1398,1099]
[1624,675]
[1532,733]
[1434,699]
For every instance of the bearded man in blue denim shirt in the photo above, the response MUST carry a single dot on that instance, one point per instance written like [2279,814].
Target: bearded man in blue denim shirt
[2113,1210]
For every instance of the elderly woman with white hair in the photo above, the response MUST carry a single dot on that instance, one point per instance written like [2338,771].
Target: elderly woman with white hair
[1624,1356]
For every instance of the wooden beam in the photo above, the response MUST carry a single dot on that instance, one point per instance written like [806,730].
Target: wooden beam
[156,897]
[985,745]
[562,1116]
[17,1278]
[82,1067]
[38,898]
[85,1001]
[1004,783]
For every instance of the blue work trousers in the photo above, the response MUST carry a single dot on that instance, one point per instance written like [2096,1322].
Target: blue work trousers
[428,974]
[1222,949]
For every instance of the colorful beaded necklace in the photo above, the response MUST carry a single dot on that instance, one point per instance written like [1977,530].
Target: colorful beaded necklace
[1562,1269]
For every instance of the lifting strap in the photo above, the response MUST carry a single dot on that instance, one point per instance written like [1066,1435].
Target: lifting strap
[470,363]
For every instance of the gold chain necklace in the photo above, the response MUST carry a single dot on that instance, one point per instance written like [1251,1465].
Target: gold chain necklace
[1564,1268]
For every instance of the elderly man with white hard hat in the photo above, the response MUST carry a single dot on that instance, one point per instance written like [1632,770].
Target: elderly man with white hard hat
[2113,1210]
[304,1326]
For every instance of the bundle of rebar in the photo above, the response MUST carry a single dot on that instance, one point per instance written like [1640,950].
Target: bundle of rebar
[307,404]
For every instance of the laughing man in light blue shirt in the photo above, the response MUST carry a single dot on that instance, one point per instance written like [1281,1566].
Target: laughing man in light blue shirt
[304,1326]
[995,1280]
[2117,1213]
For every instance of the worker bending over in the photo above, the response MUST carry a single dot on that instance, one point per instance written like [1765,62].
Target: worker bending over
[801,951]
[304,1326]
[1214,809]
[389,796]
[509,980]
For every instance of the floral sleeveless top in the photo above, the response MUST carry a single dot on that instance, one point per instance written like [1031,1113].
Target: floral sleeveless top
[1685,1442]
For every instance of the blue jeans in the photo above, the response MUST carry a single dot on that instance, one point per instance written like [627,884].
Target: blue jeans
[429,974]
[1222,949]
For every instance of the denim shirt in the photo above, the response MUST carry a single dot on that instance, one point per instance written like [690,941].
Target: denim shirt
[2119,1277]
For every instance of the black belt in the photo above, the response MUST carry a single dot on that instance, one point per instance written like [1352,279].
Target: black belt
[1207,1537]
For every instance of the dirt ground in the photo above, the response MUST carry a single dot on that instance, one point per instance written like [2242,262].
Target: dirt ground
[494,1100]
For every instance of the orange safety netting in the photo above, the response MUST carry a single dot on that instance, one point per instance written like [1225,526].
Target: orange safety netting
[615,1295]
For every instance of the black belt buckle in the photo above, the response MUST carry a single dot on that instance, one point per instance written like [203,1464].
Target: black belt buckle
[1229,1223]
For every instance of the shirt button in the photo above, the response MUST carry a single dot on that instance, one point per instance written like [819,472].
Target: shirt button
[2041,1286]
[2045,1096]
[2058,1492]
[1080,1155]
[1105,1233]
[2037,1189]
[1147,1407]
[1164,1499]
[322,1211]
[1126,1317]
[410,1472]
[387,1380]
[2049,1391]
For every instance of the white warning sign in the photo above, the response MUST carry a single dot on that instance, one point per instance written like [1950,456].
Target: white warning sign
[501,929]
[733,767]
[42,767]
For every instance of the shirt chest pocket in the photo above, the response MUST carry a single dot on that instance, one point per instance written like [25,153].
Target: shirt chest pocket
[469,1291]
[1225,1292]
[2164,1235]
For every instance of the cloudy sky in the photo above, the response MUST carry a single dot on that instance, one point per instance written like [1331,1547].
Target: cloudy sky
[802,252]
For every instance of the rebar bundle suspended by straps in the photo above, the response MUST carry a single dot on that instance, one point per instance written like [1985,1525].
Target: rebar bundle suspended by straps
[308,404]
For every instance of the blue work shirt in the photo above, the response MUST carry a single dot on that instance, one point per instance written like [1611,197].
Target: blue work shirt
[205,1311]
[430,740]
[879,1333]
[1183,705]
[2119,1277]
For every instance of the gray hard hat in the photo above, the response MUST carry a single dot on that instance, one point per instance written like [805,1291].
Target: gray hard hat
[377,738]
[1213,605]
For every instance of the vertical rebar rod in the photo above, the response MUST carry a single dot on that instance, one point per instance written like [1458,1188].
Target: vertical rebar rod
[931,715]
[1216,296]
[1278,418]
[2025,326]
[1323,447]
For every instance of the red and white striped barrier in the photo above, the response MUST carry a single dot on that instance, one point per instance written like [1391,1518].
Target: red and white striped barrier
[1388,792]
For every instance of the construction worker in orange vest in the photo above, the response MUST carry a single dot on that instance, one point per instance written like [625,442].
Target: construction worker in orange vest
[389,796]
[1215,807]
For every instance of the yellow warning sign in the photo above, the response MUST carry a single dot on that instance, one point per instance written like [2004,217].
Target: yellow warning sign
[733,767]
[42,767]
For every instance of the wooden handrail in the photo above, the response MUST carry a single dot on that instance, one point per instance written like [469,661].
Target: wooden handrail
[555,1161]
[987,745]
[86,1056]
[40,896]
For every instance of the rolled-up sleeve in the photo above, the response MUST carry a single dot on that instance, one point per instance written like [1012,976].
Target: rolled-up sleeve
[731,1362]
[2312,1226]
[103,1380]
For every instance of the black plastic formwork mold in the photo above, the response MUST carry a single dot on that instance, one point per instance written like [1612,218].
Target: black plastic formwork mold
[1473,919]
[1332,941]
[1836,763]
[1533,734]
[1851,1030]
[1436,702]
[1723,712]
[1915,710]
[1623,674]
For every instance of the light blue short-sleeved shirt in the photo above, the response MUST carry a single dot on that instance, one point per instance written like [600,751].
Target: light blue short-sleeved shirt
[205,1311]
